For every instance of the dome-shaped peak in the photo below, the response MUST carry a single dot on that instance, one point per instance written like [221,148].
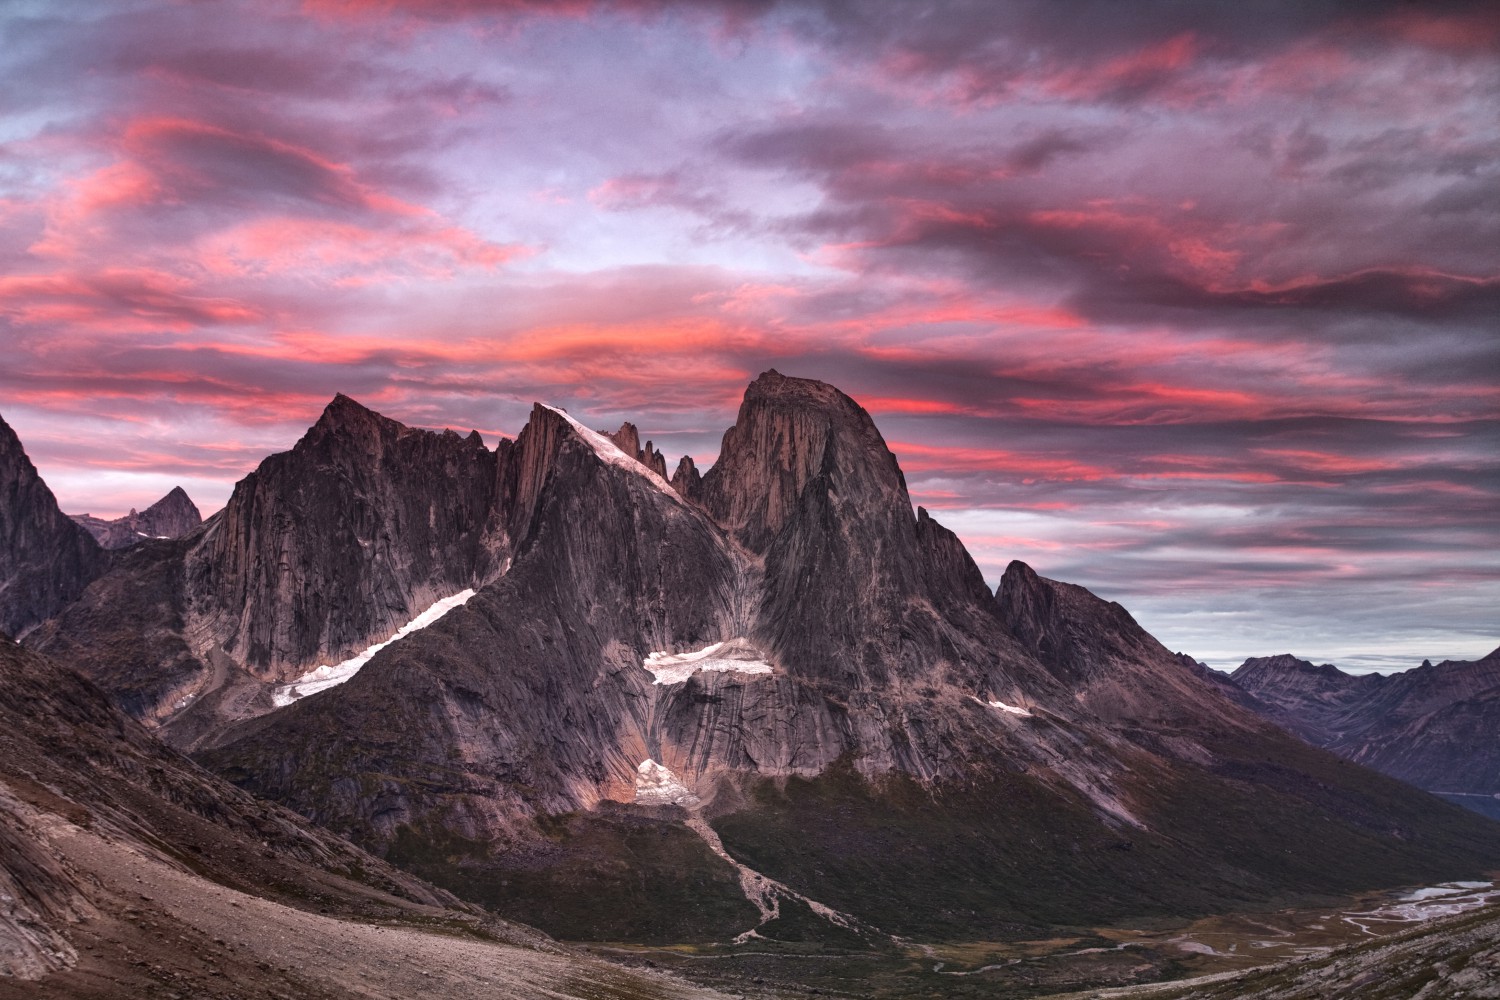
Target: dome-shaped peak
[772,386]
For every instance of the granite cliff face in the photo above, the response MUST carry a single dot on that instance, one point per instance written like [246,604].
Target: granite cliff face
[46,560]
[363,524]
[1433,725]
[173,516]
[319,553]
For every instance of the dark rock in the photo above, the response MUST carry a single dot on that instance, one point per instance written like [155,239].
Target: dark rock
[686,480]
[1103,656]
[628,440]
[948,570]
[879,731]
[46,560]
[908,713]
[653,460]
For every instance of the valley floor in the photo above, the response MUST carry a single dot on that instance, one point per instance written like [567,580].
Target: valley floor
[1296,954]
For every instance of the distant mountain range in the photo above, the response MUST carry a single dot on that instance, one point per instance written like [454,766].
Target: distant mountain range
[768,699]
[1434,725]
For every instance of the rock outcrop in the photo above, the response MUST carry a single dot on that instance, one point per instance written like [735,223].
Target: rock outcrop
[1103,656]
[628,440]
[173,516]
[46,560]
[686,480]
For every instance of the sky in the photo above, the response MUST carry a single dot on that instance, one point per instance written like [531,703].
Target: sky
[1193,304]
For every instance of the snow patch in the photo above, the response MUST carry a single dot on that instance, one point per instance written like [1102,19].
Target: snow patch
[732,655]
[610,453]
[657,786]
[324,677]
[1002,706]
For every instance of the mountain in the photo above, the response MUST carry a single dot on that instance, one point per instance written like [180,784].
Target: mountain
[128,871]
[46,560]
[1433,725]
[320,552]
[771,698]
[878,735]
[173,516]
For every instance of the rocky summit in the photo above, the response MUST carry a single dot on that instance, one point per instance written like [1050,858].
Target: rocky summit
[767,702]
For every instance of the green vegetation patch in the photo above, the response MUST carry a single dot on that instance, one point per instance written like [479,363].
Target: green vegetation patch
[614,874]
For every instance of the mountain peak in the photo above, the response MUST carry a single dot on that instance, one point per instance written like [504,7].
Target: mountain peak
[607,447]
[172,516]
[795,440]
[1288,665]
[774,386]
[343,410]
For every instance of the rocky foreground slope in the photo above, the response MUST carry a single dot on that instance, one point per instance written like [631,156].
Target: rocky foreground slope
[1434,725]
[127,871]
[770,698]
[1453,959]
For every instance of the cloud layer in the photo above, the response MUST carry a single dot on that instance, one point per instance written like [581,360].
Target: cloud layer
[1192,305]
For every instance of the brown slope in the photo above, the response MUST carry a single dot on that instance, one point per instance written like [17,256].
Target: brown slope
[1434,726]
[1457,958]
[128,871]
[1313,701]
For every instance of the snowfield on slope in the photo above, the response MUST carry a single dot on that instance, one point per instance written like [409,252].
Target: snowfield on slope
[611,454]
[325,677]
[1008,709]
[731,655]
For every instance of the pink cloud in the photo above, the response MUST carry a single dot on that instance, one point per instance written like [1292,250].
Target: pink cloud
[348,253]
